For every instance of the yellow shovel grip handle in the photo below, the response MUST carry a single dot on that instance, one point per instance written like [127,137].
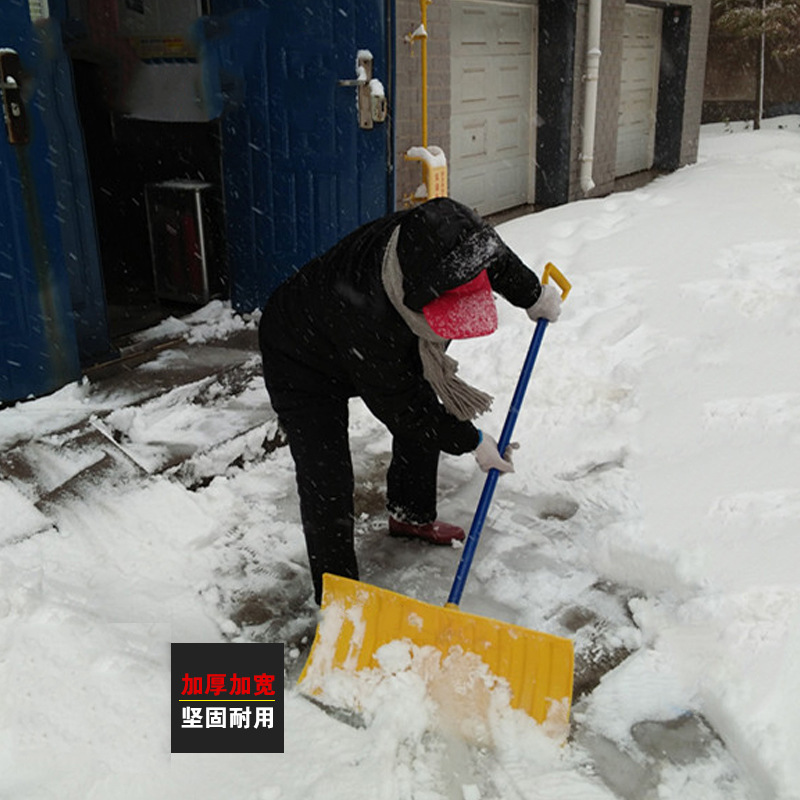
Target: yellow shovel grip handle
[558,277]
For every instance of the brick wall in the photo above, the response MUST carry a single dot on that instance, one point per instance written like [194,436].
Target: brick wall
[407,113]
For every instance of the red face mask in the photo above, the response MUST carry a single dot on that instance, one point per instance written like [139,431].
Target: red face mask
[465,311]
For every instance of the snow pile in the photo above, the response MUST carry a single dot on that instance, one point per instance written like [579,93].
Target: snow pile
[214,321]
[652,518]
[454,692]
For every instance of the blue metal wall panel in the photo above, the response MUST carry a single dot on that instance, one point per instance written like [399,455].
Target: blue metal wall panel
[38,346]
[52,304]
[299,173]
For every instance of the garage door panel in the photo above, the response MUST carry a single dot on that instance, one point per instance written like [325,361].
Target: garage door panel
[635,152]
[490,29]
[512,79]
[472,23]
[491,136]
[512,28]
[470,140]
[504,187]
[472,188]
[638,89]
[492,94]
[511,135]
[639,69]
[492,83]
[511,182]
[473,88]
[641,23]
[636,110]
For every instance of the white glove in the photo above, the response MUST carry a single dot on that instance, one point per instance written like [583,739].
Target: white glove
[548,306]
[488,456]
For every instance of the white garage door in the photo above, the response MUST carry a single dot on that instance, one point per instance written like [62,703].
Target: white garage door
[641,51]
[491,164]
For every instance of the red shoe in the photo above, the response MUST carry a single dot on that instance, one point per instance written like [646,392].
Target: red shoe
[432,532]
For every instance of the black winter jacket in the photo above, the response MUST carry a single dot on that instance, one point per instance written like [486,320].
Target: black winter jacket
[331,331]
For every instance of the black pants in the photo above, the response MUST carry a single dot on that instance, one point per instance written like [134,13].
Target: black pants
[319,443]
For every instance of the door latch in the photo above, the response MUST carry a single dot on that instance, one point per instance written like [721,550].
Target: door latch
[16,117]
[379,108]
[371,103]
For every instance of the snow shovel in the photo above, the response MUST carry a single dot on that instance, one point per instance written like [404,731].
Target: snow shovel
[358,619]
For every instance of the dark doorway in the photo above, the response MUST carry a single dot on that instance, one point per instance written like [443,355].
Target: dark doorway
[129,152]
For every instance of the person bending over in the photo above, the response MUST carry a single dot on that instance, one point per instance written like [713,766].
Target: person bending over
[372,318]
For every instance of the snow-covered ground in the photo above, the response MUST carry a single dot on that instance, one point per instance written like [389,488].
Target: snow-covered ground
[652,518]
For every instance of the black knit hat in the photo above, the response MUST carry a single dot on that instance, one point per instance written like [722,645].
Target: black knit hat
[443,244]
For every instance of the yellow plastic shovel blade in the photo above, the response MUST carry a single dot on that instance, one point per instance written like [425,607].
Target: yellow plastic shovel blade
[358,619]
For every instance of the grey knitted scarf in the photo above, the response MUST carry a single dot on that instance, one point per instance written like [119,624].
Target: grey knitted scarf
[458,397]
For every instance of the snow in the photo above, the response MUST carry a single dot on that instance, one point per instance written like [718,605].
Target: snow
[433,156]
[652,517]
[376,88]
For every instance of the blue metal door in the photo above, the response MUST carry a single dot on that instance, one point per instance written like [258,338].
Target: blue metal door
[52,308]
[299,171]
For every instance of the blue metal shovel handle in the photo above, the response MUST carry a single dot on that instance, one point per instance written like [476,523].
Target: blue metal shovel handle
[478,520]
[492,476]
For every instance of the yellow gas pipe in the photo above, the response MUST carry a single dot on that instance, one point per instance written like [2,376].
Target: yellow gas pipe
[423,8]
[434,163]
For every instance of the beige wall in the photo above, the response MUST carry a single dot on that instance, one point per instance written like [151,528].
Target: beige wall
[698,50]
